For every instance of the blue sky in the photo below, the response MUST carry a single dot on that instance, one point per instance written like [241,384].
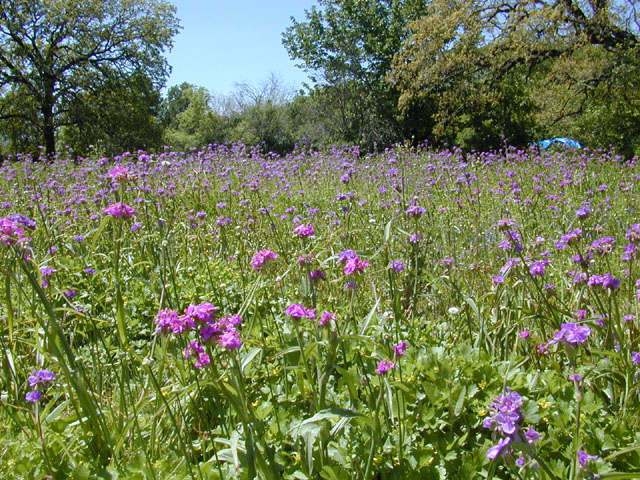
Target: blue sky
[228,41]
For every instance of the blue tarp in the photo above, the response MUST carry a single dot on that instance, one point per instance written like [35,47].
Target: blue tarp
[544,144]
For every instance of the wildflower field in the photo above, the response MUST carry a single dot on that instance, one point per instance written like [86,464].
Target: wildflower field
[225,313]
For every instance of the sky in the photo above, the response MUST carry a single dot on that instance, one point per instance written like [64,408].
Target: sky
[223,42]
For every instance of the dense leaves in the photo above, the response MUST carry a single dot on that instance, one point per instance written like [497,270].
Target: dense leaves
[54,52]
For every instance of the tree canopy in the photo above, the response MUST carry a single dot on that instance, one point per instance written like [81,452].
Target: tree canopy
[347,47]
[520,57]
[53,52]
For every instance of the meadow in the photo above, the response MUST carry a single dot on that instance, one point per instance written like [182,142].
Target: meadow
[413,314]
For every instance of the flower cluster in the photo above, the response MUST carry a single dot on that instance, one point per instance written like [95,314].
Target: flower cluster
[604,281]
[352,263]
[505,420]
[415,211]
[297,311]
[120,210]
[120,174]
[262,259]
[40,379]
[11,232]
[201,319]
[304,231]
[571,333]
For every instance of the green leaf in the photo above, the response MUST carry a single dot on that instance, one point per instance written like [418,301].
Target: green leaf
[327,413]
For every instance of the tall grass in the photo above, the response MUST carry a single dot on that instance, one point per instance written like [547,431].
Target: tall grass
[226,313]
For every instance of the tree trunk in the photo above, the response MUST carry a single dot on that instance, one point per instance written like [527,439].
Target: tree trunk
[48,124]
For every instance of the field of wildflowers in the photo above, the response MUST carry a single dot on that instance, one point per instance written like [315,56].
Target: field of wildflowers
[225,314]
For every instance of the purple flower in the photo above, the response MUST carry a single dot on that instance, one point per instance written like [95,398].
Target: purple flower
[304,231]
[574,377]
[400,348]
[136,226]
[262,258]
[633,233]
[120,210]
[47,271]
[572,333]
[120,174]
[531,435]
[165,321]
[397,266]
[583,212]
[584,457]
[495,451]
[326,318]
[305,259]
[33,396]
[355,265]
[524,334]
[70,294]
[384,366]
[415,211]
[10,232]
[537,268]
[317,275]
[230,339]
[570,238]
[41,378]
[505,224]
[195,349]
[23,221]
[606,281]
[202,312]
[635,357]
[415,238]
[603,246]
[505,414]
[297,311]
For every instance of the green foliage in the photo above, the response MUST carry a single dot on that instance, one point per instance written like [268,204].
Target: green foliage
[299,398]
[54,53]
[492,68]
[189,119]
[123,116]
[347,46]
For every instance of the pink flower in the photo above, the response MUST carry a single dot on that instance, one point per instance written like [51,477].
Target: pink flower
[297,311]
[384,366]
[120,210]
[120,174]
[202,312]
[230,339]
[400,348]
[326,319]
[354,265]
[304,230]
[262,258]
[10,232]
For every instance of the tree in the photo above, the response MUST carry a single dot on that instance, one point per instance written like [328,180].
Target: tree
[55,51]
[347,47]
[189,118]
[260,114]
[494,54]
[124,115]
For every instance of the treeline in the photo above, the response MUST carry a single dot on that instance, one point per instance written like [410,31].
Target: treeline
[470,73]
